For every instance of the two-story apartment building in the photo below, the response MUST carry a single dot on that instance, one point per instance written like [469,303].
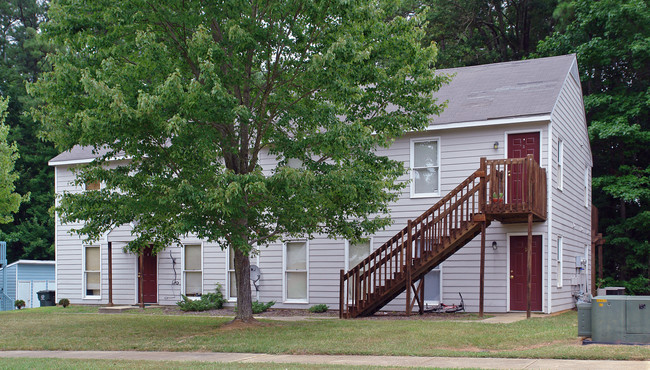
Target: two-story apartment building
[500,112]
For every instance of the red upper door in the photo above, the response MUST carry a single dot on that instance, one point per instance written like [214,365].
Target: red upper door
[149,276]
[519,146]
[518,277]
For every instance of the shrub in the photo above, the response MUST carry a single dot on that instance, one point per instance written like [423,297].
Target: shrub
[259,307]
[65,302]
[318,308]
[208,301]
[19,303]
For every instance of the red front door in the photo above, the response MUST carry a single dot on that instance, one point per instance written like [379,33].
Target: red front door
[518,279]
[519,146]
[149,276]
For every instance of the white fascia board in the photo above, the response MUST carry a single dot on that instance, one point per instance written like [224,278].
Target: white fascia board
[35,262]
[491,122]
[82,161]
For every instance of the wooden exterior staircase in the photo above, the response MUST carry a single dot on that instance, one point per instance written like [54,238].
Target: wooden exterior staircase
[518,189]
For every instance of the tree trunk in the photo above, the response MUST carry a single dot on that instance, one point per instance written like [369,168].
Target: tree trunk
[243,273]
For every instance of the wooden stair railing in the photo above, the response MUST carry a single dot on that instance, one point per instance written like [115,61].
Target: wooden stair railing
[516,186]
[415,250]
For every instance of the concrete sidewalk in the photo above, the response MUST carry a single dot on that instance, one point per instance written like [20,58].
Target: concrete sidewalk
[396,361]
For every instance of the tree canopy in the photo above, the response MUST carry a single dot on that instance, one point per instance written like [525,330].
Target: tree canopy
[9,200]
[612,41]
[31,233]
[196,94]
[471,32]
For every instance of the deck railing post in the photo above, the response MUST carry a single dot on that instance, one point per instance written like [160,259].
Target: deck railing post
[407,259]
[110,274]
[482,272]
[482,193]
[357,289]
[341,293]
[529,175]
[529,264]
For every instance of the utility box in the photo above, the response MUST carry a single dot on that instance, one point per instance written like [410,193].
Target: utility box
[616,319]
[584,319]
[614,290]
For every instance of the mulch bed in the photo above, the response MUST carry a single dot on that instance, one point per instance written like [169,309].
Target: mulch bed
[281,312]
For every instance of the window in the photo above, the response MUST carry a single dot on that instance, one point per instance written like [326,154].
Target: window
[192,274]
[560,262]
[295,271]
[432,286]
[92,271]
[357,252]
[232,279]
[560,164]
[587,187]
[95,185]
[425,168]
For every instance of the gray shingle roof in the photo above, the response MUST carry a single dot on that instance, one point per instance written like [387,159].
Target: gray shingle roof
[503,90]
[78,153]
[477,93]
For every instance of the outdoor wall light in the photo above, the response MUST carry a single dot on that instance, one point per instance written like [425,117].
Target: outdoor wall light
[494,245]
[496,145]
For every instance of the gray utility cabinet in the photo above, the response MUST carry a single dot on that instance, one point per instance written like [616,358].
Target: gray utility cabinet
[615,319]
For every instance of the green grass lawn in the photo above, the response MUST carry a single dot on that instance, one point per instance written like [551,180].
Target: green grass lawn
[81,328]
[46,363]
[56,363]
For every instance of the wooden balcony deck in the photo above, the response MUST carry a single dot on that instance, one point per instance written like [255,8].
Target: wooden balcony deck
[516,187]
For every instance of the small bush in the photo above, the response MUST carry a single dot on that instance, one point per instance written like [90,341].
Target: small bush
[208,301]
[259,307]
[19,303]
[318,308]
[65,302]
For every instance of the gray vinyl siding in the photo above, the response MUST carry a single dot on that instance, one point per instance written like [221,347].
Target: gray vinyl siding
[68,247]
[571,219]
[461,150]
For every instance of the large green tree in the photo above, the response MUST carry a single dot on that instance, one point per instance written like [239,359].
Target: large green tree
[31,233]
[9,200]
[196,93]
[471,32]
[612,41]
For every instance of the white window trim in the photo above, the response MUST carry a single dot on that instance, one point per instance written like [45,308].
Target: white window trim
[284,271]
[412,163]
[347,251]
[560,262]
[227,291]
[347,256]
[560,165]
[83,273]
[229,298]
[434,303]
[183,269]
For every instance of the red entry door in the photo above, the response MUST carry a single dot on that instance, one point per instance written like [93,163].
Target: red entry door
[519,146]
[149,276]
[518,279]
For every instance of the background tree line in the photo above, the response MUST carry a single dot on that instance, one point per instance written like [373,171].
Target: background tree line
[610,37]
